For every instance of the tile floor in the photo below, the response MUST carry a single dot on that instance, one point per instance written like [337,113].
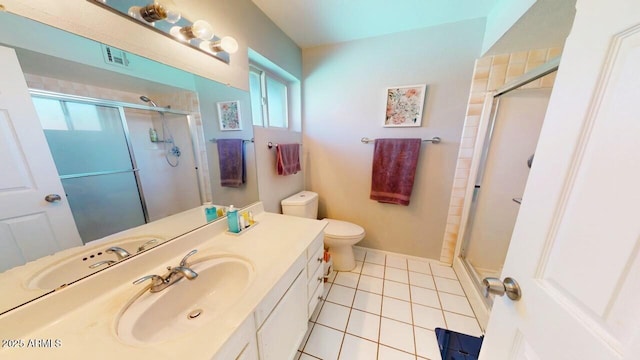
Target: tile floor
[387,309]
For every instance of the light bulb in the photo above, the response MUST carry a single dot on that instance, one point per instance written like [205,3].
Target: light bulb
[154,12]
[202,30]
[227,44]
[134,12]
[176,31]
[172,13]
[206,46]
[173,16]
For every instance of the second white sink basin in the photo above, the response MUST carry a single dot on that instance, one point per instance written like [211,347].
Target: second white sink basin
[77,266]
[187,304]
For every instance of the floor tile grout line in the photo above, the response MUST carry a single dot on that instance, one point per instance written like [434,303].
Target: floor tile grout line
[441,309]
[380,320]
[344,334]
[475,316]
[413,327]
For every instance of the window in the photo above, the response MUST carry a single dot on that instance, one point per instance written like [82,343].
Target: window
[269,93]
[70,116]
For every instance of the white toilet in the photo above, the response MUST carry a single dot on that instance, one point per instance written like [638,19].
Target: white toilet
[339,236]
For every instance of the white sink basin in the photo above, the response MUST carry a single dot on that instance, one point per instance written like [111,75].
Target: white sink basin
[76,266]
[187,304]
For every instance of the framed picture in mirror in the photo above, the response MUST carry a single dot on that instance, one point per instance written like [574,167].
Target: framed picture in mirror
[229,115]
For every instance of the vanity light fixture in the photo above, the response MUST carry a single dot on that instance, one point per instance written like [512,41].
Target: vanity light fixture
[163,17]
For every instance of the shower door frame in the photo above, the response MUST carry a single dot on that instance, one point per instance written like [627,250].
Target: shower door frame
[121,105]
[469,277]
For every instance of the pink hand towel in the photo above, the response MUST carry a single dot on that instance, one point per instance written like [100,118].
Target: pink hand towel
[394,169]
[288,159]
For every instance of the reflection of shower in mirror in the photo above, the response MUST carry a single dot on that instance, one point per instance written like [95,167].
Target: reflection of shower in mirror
[174,151]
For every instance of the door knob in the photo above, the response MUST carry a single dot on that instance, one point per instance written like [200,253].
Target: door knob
[52,197]
[509,286]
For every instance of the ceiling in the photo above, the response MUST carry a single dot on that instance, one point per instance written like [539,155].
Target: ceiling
[319,22]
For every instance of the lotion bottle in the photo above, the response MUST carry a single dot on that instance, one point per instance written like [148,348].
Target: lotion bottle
[232,220]
[210,212]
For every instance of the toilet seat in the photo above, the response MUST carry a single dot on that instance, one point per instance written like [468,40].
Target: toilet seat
[343,230]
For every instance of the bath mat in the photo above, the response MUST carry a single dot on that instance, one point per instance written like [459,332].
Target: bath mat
[456,346]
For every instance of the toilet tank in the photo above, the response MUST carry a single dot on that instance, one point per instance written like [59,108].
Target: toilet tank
[302,204]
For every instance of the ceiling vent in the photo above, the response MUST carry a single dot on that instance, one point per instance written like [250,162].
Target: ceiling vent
[114,56]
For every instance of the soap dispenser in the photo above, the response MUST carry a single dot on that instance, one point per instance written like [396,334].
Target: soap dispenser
[232,220]
[210,212]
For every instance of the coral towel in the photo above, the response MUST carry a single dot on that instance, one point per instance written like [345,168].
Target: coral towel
[288,159]
[394,169]
[231,161]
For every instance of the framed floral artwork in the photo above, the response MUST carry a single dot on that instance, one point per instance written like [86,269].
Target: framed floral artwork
[229,115]
[404,106]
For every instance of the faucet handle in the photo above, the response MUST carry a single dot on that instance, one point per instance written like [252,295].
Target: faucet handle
[183,262]
[144,246]
[100,263]
[155,279]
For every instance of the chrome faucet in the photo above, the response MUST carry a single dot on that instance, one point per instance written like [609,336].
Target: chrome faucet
[159,283]
[120,252]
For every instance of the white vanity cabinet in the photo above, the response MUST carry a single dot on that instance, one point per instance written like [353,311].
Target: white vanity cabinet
[281,318]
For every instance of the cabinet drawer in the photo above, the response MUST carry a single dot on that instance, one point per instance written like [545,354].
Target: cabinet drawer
[315,261]
[315,280]
[315,245]
[314,299]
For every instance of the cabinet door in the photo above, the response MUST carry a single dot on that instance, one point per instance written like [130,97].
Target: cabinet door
[249,352]
[241,345]
[284,329]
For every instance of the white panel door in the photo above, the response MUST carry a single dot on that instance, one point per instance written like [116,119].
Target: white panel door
[30,227]
[576,244]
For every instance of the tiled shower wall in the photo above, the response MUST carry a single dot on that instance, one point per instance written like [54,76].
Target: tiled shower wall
[490,73]
[180,100]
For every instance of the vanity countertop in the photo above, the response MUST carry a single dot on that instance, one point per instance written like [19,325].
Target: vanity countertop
[80,321]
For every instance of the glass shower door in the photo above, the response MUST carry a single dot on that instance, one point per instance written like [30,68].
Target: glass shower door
[91,151]
[502,175]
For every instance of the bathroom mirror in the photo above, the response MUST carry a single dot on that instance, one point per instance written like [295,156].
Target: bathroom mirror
[125,132]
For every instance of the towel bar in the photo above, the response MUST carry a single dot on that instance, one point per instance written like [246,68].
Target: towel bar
[213,140]
[435,140]
[271,145]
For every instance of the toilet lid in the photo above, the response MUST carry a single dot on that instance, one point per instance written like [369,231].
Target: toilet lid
[338,229]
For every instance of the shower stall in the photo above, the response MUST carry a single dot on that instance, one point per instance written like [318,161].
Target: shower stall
[114,173]
[503,156]
[504,165]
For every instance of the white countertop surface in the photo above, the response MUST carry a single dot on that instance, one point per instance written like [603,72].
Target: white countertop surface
[81,319]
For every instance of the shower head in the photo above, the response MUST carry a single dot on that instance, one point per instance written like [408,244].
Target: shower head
[146,99]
